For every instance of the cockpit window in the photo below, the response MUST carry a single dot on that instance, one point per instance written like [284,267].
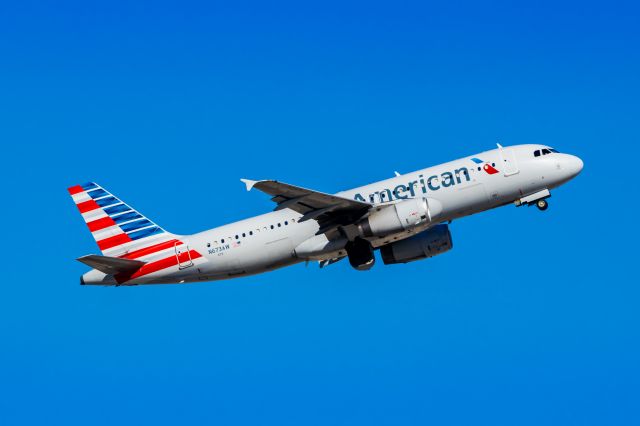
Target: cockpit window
[544,151]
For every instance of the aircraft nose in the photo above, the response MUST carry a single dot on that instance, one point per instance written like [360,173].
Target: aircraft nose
[569,166]
[574,165]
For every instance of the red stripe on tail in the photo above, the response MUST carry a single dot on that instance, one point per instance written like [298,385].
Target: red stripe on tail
[158,265]
[101,223]
[87,206]
[116,240]
[75,189]
[151,249]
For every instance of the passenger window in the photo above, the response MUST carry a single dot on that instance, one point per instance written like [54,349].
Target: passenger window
[286,223]
[272,227]
[278,224]
[244,235]
[222,241]
[250,232]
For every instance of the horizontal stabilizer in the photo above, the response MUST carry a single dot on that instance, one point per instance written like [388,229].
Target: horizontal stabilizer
[111,265]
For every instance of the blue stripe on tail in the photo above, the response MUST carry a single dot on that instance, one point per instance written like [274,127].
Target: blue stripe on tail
[107,201]
[120,208]
[145,233]
[97,193]
[89,185]
[132,226]
[125,217]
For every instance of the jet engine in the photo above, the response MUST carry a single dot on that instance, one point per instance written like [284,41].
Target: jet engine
[398,217]
[432,242]
[361,255]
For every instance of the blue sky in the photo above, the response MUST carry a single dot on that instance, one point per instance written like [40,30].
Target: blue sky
[531,319]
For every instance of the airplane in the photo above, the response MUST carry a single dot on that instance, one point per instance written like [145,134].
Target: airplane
[405,217]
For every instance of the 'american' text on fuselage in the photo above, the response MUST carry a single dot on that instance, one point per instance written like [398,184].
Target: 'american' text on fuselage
[433,183]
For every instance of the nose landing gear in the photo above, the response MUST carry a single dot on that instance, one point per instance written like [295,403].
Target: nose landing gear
[539,199]
[542,205]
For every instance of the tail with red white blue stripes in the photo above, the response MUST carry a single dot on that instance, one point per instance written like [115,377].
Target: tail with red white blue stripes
[117,228]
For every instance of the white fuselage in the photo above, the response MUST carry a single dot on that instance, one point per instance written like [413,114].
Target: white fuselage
[463,187]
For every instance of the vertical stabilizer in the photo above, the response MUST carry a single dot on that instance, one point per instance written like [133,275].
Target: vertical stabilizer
[119,230]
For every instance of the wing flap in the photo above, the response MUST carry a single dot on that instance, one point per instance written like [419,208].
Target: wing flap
[327,262]
[111,265]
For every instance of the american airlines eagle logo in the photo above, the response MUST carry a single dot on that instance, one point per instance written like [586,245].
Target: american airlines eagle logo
[488,168]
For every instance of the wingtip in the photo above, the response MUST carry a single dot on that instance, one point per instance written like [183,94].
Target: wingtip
[249,183]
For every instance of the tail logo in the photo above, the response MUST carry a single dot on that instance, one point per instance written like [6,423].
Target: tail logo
[115,226]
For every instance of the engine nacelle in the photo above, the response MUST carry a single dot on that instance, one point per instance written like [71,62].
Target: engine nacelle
[429,243]
[361,255]
[400,216]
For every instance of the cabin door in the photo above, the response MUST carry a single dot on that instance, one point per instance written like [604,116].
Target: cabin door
[183,255]
[508,161]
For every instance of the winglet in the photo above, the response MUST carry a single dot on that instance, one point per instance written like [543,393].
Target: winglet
[250,183]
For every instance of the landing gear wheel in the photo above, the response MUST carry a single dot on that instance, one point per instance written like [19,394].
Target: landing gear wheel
[542,205]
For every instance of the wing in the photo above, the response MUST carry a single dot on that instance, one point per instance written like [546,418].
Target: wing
[329,210]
